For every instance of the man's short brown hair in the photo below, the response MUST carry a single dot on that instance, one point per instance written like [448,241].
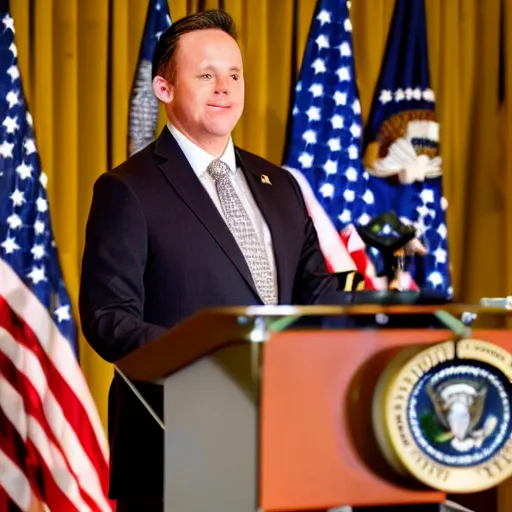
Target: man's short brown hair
[165,49]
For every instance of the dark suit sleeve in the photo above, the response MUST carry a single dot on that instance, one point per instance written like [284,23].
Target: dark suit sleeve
[112,289]
[313,284]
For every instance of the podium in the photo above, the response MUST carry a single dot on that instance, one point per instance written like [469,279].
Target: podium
[269,408]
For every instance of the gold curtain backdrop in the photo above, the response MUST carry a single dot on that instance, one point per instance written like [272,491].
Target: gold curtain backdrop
[78,58]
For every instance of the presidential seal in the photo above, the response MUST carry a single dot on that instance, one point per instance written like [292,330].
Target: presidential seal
[443,415]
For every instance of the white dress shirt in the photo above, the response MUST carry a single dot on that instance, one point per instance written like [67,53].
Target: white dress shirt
[199,160]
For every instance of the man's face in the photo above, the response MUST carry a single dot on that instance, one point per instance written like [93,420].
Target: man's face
[208,89]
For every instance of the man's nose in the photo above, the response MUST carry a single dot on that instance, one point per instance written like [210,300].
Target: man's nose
[221,85]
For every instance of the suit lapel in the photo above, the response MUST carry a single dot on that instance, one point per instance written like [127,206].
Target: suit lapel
[267,199]
[187,185]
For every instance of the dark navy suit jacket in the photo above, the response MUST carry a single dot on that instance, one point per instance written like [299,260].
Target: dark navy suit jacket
[157,251]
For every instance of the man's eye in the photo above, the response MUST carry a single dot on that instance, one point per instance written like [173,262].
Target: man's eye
[206,76]
[235,77]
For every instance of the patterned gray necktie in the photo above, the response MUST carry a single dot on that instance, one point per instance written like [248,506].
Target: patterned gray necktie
[244,232]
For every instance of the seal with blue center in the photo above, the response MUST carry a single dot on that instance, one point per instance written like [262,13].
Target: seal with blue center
[443,415]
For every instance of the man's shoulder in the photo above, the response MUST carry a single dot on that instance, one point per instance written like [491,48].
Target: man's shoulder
[137,174]
[137,165]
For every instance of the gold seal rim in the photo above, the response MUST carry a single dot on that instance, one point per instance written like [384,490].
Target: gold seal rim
[399,446]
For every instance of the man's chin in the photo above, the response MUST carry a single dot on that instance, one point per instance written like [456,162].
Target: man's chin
[221,126]
[221,131]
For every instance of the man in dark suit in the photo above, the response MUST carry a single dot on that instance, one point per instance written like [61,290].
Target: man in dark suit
[188,223]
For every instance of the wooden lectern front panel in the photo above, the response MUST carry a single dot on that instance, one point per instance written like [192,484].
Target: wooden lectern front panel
[317,446]
[318,450]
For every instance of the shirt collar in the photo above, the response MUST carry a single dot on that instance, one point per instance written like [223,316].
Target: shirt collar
[197,157]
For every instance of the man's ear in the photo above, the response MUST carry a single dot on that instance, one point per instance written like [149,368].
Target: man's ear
[163,89]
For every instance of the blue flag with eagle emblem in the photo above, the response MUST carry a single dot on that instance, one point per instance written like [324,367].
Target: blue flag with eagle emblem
[143,115]
[402,151]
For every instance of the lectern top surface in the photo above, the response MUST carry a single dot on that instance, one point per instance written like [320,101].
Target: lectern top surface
[360,309]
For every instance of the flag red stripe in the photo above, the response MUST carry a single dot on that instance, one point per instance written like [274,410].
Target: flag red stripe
[79,449]
[72,407]
[35,409]
[58,349]
[41,449]
[6,503]
[17,453]
[50,415]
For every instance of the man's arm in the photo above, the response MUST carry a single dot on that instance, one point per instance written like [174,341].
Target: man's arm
[314,284]
[112,289]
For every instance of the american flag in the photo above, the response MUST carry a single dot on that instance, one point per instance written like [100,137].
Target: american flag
[143,115]
[324,150]
[403,134]
[53,449]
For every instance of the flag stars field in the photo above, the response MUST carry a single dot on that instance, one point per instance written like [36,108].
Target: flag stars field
[63,313]
[6,149]
[316,90]
[12,99]
[324,17]
[38,251]
[14,221]
[330,161]
[319,66]
[322,41]
[340,98]
[9,245]
[11,124]
[24,171]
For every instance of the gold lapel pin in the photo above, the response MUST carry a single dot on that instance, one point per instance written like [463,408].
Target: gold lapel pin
[265,179]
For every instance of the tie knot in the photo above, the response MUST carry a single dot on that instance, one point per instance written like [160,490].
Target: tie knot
[218,169]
